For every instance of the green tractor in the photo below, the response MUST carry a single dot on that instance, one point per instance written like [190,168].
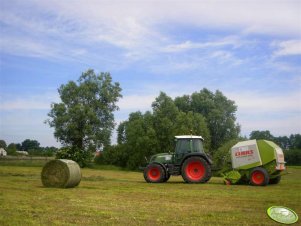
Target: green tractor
[188,160]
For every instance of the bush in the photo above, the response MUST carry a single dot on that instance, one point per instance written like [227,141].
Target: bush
[293,157]
[12,149]
[222,157]
[82,157]
[112,155]
[99,159]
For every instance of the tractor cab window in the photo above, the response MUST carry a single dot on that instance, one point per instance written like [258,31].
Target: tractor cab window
[183,146]
[189,146]
[197,145]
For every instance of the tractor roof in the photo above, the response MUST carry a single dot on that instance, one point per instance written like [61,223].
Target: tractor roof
[189,137]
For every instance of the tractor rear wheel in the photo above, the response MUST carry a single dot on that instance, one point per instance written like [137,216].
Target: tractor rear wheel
[154,173]
[259,177]
[209,175]
[196,170]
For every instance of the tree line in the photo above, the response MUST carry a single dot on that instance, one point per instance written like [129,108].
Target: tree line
[32,147]
[285,142]
[291,145]
[205,113]
[84,121]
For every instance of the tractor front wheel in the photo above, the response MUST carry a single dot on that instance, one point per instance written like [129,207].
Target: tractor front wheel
[259,177]
[154,173]
[196,170]
[166,178]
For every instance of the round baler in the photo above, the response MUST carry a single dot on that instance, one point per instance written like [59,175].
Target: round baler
[258,162]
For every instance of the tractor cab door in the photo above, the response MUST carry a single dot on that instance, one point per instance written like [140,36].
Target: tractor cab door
[183,147]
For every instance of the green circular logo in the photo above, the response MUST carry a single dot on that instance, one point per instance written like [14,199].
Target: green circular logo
[282,214]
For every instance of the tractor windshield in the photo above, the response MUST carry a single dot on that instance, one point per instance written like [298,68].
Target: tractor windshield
[189,145]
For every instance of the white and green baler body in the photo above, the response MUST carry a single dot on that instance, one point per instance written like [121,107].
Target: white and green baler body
[256,161]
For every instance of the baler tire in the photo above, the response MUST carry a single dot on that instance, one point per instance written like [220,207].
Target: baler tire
[154,173]
[196,170]
[275,180]
[259,177]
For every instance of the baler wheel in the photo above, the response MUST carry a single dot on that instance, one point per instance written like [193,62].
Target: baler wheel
[154,173]
[259,177]
[196,170]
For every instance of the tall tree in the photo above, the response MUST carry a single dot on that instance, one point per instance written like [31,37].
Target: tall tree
[30,145]
[3,144]
[218,111]
[187,123]
[136,140]
[11,149]
[143,135]
[295,141]
[265,135]
[141,140]
[84,119]
[283,142]
[165,113]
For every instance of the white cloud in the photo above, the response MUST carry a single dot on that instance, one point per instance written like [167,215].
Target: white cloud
[137,27]
[188,45]
[254,103]
[40,102]
[280,113]
[136,102]
[21,46]
[16,126]
[287,48]
[283,127]
[120,32]
[24,104]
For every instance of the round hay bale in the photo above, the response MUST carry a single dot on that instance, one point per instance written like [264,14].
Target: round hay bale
[61,173]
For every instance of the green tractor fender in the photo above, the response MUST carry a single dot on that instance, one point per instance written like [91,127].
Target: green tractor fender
[195,154]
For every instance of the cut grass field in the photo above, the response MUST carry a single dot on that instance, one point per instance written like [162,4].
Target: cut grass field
[114,197]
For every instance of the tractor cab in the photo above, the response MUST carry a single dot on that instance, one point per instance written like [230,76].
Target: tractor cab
[187,144]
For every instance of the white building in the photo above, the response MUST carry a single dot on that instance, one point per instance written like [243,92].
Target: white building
[3,152]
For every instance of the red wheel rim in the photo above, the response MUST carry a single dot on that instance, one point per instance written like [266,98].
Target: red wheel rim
[257,177]
[195,171]
[153,174]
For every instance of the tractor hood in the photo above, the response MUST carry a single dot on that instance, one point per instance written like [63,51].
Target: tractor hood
[162,158]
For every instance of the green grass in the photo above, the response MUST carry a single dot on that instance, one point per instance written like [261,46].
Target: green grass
[24,161]
[114,197]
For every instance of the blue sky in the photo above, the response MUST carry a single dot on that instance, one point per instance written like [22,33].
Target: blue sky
[249,50]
